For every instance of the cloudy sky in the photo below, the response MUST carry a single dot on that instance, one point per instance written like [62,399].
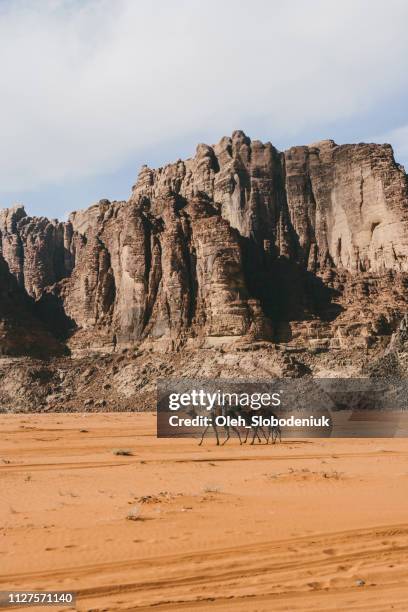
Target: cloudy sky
[92,89]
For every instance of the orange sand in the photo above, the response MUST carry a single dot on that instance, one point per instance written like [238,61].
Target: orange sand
[287,527]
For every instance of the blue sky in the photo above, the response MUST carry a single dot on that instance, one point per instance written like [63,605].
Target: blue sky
[90,90]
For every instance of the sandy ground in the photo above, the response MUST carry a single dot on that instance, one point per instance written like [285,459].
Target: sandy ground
[291,527]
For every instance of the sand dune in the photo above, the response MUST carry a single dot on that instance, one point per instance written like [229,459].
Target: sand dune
[306,525]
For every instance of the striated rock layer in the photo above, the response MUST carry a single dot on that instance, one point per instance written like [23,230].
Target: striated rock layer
[241,243]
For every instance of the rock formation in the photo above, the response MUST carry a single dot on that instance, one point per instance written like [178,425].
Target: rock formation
[21,333]
[242,243]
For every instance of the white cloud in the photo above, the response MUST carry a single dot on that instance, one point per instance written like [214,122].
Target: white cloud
[84,85]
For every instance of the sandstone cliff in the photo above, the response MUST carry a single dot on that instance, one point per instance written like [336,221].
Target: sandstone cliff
[242,243]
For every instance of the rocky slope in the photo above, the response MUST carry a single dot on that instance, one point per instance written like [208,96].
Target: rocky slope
[305,249]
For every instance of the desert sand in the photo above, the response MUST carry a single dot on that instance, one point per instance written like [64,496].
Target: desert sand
[303,525]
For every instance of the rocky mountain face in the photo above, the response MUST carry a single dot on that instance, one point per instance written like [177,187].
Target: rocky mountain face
[20,330]
[306,250]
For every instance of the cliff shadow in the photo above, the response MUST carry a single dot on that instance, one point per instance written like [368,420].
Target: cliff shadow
[286,290]
[51,312]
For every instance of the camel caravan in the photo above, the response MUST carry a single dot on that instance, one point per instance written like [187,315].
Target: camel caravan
[236,419]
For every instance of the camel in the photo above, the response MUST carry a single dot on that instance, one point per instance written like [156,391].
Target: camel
[216,411]
[274,431]
[233,412]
